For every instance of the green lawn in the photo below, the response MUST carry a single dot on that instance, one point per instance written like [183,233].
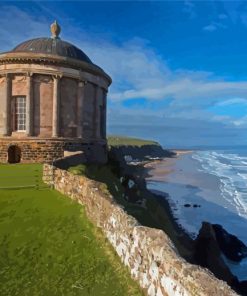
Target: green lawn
[127,141]
[47,245]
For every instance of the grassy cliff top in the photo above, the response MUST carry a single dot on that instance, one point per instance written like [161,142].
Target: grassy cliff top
[127,141]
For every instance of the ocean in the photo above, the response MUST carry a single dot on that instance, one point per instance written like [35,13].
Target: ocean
[214,184]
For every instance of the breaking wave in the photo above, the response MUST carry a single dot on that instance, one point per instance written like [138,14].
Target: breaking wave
[231,169]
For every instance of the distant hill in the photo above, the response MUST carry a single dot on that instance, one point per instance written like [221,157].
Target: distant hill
[127,141]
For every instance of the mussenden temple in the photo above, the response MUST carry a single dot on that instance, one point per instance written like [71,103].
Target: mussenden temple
[52,102]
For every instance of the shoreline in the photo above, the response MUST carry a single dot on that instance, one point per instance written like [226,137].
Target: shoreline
[170,224]
[180,212]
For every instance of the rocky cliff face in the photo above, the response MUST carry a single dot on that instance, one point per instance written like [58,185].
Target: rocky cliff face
[137,153]
[211,243]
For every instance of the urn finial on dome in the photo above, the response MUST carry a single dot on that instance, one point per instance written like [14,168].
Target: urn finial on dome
[55,30]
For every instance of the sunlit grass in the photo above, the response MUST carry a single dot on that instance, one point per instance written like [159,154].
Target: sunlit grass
[48,246]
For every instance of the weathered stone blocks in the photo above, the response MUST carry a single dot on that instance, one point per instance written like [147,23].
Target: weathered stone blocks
[48,150]
[149,253]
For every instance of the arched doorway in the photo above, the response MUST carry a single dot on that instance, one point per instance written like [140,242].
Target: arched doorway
[14,154]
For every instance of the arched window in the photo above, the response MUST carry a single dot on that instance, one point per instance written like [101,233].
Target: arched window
[14,154]
[19,113]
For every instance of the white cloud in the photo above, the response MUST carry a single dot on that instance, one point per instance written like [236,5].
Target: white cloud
[215,26]
[222,16]
[16,25]
[234,101]
[242,122]
[189,8]
[210,28]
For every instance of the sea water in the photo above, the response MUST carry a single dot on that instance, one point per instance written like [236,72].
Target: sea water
[231,169]
[216,182]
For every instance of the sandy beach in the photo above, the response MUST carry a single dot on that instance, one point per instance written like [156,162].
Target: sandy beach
[158,169]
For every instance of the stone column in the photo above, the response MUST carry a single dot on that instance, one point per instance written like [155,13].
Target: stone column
[29,106]
[96,112]
[80,102]
[56,107]
[6,106]
[104,112]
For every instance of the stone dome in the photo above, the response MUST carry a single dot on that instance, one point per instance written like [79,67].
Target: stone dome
[53,46]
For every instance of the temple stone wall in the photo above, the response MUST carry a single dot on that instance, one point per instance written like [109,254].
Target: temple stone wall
[33,151]
[46,150]
[88,111]
[68,107]
[42,101]
[90,101]
[2,102]
[148,253]
[19,85]
[99,102]
[102,113]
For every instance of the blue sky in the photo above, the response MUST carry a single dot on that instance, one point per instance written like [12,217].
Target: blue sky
[179,68]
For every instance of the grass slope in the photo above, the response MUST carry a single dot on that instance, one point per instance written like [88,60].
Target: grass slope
[48,246]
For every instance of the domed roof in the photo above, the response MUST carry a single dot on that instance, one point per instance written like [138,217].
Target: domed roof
[52,51]
[53,46]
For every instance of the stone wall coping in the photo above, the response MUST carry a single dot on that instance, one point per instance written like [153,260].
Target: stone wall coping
[149,253]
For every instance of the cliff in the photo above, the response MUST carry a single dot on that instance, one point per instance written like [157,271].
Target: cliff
[136,149]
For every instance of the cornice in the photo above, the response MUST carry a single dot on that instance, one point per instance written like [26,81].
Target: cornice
[24,57]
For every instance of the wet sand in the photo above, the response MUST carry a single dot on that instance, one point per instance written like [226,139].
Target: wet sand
[158,170]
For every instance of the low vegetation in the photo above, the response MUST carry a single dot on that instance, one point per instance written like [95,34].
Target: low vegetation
[155,211]
[108,175]
[48,246]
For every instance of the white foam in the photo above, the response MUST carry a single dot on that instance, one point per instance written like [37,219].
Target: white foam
[230,169]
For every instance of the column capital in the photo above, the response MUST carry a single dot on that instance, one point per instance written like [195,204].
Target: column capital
[81,83]
[29,74]
[7,76]
[56,76]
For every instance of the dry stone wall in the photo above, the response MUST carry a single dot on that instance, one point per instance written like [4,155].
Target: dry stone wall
[150,255]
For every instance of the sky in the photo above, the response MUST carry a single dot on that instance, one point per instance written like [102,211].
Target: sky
[179,68]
